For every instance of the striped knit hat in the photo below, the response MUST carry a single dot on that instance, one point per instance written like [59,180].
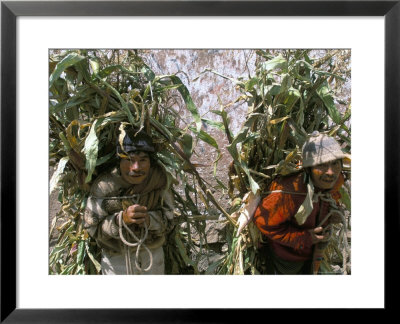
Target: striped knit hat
[319,149]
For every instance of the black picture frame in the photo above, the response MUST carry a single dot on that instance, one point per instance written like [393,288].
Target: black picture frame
[10,10]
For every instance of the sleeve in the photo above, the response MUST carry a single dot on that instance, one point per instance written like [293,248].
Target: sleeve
[100,225]
[273,218]
[162,220]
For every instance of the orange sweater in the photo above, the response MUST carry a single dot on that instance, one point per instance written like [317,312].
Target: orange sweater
[274,217]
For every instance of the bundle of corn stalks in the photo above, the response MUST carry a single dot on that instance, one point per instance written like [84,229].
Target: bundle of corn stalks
[91,93]
[291,95]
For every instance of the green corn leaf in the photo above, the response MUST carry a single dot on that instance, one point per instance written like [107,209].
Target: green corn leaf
[187,145]
[347,115]
[276,63]
[345,138]
[123,103]
[205,137]
[91,150]
[253,184]
[83,71]
[345,198]
[95,65]
[217,112]
[187,98]
[72,102]
[308,59]
[250,138]
[324,73]
[278,120]
[240,137]
[57,174]
[225,122]
[300,114]
[232,149]
[93,259]
[69,269]
[189,202]
[182,251]
[81,251]
[286,83]
[214,124]
[272,90]
[298,132]
[66,62]
[58,249]
[326,97]
[252,118]
[305,64]
[148,73]
[249,85]
[111,117]
[292,98]
[162,129]
[104,158]
[235,81]
[167,87]
[114,68]
[169,160]
[264,54]
[220,183]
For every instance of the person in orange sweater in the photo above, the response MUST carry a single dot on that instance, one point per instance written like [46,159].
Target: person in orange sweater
[295,216]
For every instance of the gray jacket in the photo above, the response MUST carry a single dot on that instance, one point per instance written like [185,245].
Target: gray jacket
[101,214]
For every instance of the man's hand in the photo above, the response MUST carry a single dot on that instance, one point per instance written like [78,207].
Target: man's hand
[316,235]
[136,214]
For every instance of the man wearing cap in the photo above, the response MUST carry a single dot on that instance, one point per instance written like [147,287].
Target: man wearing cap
[296,214]
[130,209]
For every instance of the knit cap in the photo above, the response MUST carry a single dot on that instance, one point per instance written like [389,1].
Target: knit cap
[132,141]
[321,148]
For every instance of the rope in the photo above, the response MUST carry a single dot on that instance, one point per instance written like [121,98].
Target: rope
[343,232]
[150,197]
[332,203]
[139,244]
[284,191]
[115,197]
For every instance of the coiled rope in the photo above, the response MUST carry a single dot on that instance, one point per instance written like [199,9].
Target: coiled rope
[139,243]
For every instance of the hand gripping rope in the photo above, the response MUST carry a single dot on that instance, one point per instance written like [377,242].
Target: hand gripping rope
[138,244]
[334,209]
[139,241]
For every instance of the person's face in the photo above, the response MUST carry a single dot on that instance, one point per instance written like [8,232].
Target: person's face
[324,176]
[135,168]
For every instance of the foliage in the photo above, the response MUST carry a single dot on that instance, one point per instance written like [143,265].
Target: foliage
[291,95]
[93,92]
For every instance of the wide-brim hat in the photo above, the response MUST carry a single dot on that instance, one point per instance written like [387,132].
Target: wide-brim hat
[322,148]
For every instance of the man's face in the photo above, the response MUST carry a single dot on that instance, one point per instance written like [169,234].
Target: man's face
[324,176]
[135,168]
